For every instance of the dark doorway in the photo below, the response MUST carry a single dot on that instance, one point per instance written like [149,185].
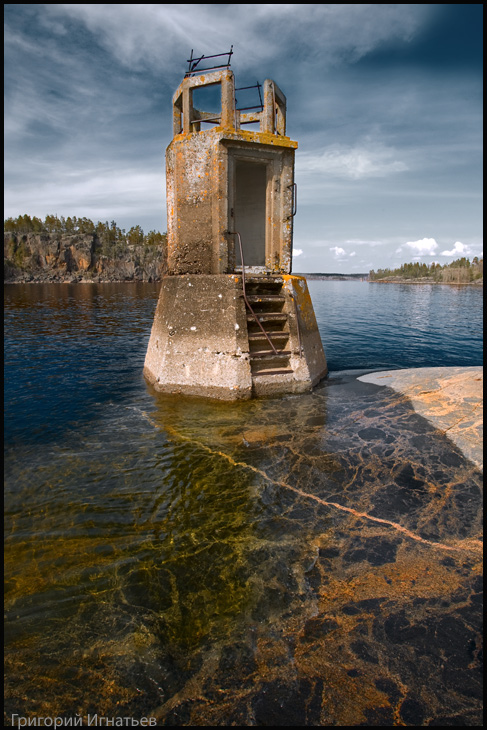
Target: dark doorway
[250,211]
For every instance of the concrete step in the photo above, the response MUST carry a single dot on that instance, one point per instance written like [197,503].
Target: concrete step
[263,294]
[266,298]
[256,280]
[267,317]
[272,371]
[258,336]
[269,355]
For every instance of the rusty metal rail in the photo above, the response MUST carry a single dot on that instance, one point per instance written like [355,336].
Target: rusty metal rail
[235,233]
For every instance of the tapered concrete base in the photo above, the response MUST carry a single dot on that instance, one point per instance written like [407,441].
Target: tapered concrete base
[202,344]
[198,344]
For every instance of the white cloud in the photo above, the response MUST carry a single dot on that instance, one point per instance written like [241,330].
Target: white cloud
[362,161]
[340,254]
[297,251]
[459,249]
[423,247]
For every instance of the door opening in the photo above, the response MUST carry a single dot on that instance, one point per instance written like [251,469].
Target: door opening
[250,211]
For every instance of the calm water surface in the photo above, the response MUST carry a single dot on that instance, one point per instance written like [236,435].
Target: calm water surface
[147,547]
[398,325]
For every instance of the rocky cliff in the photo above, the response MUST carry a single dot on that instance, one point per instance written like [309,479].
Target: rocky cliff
[43,257]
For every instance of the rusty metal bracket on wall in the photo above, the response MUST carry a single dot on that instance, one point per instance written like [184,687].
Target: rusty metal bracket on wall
[294,187]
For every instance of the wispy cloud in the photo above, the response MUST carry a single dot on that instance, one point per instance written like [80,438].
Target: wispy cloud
[143,35]
[125,194]
[355,163]
[366,242]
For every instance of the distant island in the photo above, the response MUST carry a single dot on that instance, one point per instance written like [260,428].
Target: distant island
[460,271]
[336,277]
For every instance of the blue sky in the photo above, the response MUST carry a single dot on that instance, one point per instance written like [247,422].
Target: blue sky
[385,102]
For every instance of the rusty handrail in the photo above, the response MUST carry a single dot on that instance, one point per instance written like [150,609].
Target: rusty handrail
[235,233]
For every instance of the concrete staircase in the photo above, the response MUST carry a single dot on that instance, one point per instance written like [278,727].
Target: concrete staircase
[267,299]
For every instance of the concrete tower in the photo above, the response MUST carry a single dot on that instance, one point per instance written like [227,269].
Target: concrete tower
[223,330]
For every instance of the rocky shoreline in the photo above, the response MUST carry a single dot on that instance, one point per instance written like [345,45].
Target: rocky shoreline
[451,398]
[78,258]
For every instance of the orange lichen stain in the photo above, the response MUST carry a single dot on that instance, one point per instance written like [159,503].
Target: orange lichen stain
[299,288]
[412,575]
[345,698]
[260,435]
[221,132]
[270,655]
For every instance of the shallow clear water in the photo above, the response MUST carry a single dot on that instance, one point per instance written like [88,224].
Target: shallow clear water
[158,549]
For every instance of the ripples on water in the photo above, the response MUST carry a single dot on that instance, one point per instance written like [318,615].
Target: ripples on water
[141,528]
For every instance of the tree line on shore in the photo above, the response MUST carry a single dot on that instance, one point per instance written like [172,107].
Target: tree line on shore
[460,271]
[75,249]
[108,234]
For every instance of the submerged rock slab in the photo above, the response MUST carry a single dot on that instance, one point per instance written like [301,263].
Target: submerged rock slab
[310,560]
[450,398]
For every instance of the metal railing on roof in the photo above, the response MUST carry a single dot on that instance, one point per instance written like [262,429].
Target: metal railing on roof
[194,62]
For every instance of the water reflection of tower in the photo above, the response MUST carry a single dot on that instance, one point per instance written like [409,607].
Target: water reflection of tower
[231,321]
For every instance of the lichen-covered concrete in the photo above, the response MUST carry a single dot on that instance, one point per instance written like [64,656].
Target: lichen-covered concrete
[201,188]
[198,343]
[201,174]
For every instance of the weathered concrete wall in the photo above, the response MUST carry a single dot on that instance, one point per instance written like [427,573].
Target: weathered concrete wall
[199,344]
[201,199]
[192,204]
